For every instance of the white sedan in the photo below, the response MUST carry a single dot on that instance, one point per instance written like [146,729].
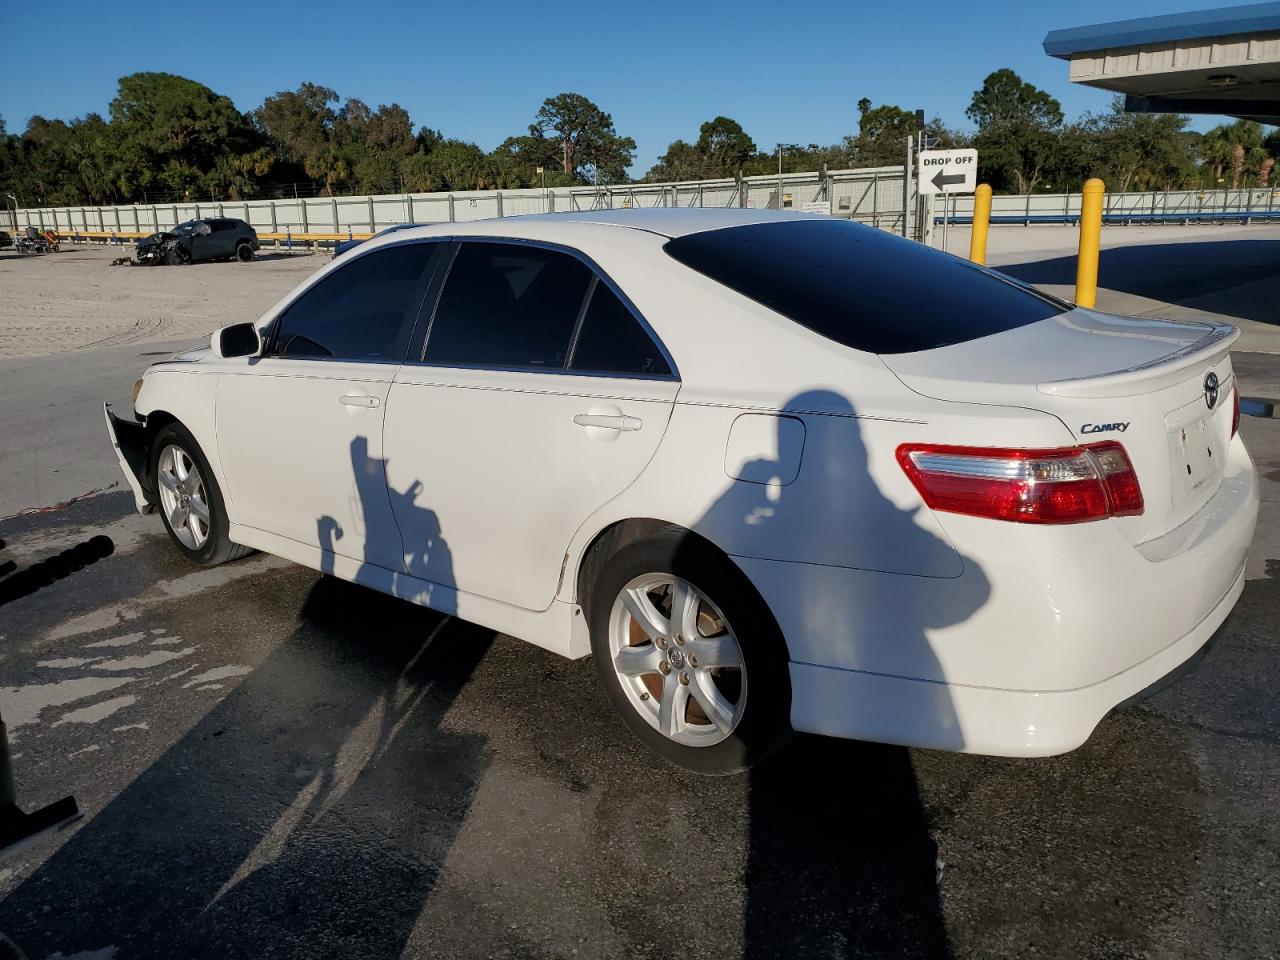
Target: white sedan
[772,471]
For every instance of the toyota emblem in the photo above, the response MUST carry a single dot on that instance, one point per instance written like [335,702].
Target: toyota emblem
[1211,389]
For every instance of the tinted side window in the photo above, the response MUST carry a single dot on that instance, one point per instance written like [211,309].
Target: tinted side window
[613,341]
[863,287]
[508,305]
[220,225]
[364,310]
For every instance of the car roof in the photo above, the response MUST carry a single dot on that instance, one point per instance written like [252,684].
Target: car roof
[675,221]
[664,222]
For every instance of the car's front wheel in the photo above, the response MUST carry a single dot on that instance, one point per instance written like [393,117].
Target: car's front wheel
[190,501]
[689,654]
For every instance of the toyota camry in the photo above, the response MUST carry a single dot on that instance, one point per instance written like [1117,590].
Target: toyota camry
[772,471]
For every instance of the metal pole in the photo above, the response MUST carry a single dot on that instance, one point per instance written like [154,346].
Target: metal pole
[1090,237]
[779,176]
[981,222]
[946,218]
[906,186]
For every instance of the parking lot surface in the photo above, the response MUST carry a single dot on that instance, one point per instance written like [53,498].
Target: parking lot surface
[277,764]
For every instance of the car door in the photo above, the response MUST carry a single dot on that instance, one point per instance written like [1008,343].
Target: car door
[203,240]
[222,242]
[300,428]
[542,394]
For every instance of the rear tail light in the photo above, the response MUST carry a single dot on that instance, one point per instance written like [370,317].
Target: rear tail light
[1065,485]
[1235,408]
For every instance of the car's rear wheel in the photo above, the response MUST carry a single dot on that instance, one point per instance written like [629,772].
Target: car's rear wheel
[190,501]
[244,252]
[689,655]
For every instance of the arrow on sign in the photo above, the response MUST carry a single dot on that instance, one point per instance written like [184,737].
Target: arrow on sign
[942,179]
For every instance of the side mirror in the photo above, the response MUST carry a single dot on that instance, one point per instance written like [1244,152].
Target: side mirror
[237,340]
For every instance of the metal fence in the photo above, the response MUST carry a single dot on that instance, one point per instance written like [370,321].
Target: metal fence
[1175,206]
[872,196]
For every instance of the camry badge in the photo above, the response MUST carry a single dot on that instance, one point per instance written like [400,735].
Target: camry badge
[1211,389]
[1105,427]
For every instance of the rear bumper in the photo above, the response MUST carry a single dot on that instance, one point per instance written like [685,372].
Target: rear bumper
[983,720]
[1044,631]
[129,440]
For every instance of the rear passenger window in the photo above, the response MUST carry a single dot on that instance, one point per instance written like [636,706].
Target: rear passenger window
[508,305]
[613,341]
[220,225]
[364,310]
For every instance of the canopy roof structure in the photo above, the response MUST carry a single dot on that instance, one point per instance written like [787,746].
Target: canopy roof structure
[1223,61]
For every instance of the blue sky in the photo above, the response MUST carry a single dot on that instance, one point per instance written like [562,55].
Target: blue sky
[478,71]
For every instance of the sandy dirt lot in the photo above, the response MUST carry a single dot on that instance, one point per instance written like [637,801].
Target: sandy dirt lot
[75,299]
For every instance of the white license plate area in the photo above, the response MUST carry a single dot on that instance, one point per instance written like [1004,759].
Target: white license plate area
[1197,452]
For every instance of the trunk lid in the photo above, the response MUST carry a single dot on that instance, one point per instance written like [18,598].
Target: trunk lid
[1143,383]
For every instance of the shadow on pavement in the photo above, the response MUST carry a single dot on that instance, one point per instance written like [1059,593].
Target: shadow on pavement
[308,813]
[1204,271]
[840,862]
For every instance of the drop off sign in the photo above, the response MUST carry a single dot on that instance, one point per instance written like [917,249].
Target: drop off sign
[948,171]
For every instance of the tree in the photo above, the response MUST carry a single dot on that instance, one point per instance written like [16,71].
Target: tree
[174,129]
[722,149]
[1236,147]
[587,145]
[1271,145]
[328,164]
[682,161]
[882,134]
[1018,131]
[1005,100]
[298,122]
[724,146]
[1129,151]
[236,175]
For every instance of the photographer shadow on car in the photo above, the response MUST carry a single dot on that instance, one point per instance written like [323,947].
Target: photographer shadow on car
[428,561]
[840,860]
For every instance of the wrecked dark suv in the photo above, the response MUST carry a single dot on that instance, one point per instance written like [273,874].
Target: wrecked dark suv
[194,241]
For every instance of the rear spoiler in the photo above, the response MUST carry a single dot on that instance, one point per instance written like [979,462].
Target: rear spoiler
[1152,375]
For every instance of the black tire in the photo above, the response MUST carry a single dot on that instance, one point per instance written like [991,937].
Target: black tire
[765,722]
[217,547]
[174,257]
[244,252]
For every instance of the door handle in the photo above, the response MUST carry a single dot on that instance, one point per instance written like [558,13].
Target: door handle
[607,422]
[358,400]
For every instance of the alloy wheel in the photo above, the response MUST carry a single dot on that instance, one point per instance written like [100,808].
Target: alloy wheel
[677,660]
[183,497]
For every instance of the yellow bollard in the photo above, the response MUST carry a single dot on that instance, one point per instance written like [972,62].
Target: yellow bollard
[981,221]
[1090,238]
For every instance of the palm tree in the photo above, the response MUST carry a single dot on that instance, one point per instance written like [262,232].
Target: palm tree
[1264,171]
[1216,149]
[327,164]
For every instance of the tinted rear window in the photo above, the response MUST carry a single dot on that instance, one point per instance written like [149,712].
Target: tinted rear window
[862,287]
[612,340]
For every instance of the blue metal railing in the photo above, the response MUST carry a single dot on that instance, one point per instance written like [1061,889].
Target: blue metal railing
[1239,216]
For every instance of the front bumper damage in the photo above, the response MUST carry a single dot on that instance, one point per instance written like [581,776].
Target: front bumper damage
[129,440]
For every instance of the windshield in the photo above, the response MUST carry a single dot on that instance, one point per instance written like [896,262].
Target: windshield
[862,287]
[185,229]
